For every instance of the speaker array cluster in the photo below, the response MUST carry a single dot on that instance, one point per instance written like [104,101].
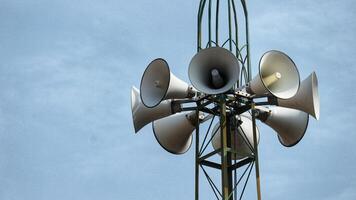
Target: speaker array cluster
[215,71]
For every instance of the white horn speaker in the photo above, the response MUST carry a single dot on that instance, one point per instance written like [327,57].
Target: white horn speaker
[158,83]
[278,75]
[306,99]
[214,70]
[241,140]
[290,124]
[141,115]
[174,133]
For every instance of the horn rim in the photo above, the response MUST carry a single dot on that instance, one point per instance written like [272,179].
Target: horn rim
[316,97]
[166,89]
[134,90]
[302,136]
[169,151]
[260,74]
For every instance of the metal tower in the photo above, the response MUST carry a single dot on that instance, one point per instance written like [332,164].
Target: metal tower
[223,110]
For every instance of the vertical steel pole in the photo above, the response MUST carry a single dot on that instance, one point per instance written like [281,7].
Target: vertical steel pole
[243,2]
[229,160]
[197,155]
[256,151]
[225,158]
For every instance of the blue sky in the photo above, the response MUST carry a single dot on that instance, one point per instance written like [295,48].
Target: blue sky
[67,68]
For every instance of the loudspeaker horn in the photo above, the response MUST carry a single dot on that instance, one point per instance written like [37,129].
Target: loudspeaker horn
[174,133]
[306,99]
[290,124]
[214,70]
[141,115]
[278,75]
[158,83]
[241,140]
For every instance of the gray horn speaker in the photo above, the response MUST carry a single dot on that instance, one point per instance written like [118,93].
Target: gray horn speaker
[278,75]
[174,133]
[290,124]
[142,115]
[214,70]
[158,83]
[306,99]
[242,137]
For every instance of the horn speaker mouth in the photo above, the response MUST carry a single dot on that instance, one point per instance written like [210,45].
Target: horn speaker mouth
[299,139]
[168,150]
[214,70]
[155,82]
[279,74]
